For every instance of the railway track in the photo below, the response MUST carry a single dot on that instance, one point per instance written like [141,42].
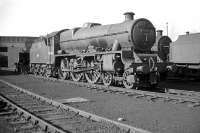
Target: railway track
[183,92]
[191,98]
[29,112]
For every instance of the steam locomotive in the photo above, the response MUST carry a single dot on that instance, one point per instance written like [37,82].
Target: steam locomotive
[162,46]
[112,54]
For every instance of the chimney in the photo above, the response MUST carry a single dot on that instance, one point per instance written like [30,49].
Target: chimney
[129,16]
[159,33]
[187,33]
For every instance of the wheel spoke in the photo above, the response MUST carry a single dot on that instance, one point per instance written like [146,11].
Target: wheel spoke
[92,76]
[47,72]
[107,78]
[76,76]
[64,64]
[126,81]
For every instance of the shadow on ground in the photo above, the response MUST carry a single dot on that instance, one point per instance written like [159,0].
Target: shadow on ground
[6,72]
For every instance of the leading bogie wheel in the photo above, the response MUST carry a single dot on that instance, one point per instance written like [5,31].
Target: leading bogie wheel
[128,80]
[107,78]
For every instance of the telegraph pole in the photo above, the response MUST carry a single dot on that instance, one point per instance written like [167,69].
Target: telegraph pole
[167,28]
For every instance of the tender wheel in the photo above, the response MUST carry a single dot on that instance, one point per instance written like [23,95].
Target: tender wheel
[76,76]
[42,71]
[35,71]
[107,78]
[62,73]
[92,76]
[47,72]
[128,80]
[31,68]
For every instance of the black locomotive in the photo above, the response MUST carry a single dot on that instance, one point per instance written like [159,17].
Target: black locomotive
[114,54]
[162,46]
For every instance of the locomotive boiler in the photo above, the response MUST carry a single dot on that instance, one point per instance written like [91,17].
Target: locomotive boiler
[112,54]
[137,34]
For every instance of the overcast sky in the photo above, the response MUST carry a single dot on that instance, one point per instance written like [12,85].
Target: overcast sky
[39,17]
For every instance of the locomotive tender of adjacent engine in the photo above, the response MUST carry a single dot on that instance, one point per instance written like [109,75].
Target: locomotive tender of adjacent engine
[185,56]
[116,53]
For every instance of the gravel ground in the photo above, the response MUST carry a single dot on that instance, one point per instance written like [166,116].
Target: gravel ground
[158,117]
[4,128]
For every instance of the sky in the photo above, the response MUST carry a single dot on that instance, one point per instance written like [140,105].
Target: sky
[39,17]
